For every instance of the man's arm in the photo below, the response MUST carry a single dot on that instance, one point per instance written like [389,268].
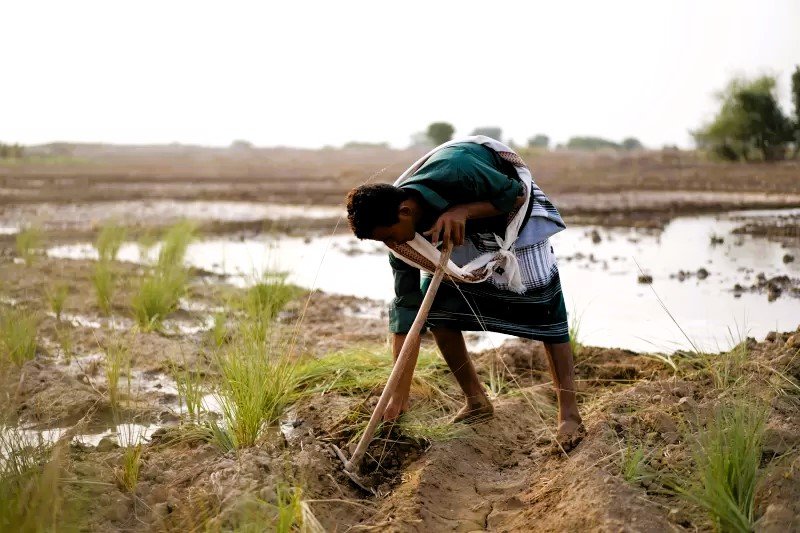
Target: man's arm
[451,225]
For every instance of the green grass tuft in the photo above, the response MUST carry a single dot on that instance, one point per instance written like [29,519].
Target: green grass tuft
[257,383]
[174,245]
[361,370]
[161,290]
[727,455]
[103,281]
[575,333]
[117,364]
[56,296]
[190,390]
[158,295]
[27,241]
[109,241]
[18,329]
[31,492]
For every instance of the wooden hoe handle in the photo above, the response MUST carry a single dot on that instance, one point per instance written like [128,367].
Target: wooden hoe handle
[401,363]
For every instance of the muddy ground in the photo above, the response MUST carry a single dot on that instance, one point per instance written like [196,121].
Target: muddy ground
[500,475]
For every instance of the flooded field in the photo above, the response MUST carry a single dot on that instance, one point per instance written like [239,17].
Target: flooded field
[196,382]
[705,275]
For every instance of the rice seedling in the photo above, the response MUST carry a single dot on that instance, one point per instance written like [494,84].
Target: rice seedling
[633,463]
[18,329]
[161,290]
[190,391]
[175,243]
[103,281]
[497,384]
[30,483]
[158,295]
[360,370]
[27,241]
[146,243]
[56,296]
[257,383]
[66,342]
[128,473]
[218,333]
[117,364]
[575,333]
[288,512]
[109,241]
[727,454]
[727,369]
[266,298]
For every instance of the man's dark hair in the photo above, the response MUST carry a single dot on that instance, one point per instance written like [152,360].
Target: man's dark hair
[370,206]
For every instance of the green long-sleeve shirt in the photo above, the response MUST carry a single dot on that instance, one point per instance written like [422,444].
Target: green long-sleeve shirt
[459,174]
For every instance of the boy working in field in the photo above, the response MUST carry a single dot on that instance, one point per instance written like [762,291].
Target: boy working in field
[478,195]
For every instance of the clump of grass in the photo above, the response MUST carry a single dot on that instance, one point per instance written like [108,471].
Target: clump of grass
[117,364]
[161,290]
[257,383]
[498,383]
[727,455]
[109,241]
[66,341]
[158,295]
[360,370]
[727,369]
[128,473]
[30,483]
[190,390]
[103,281]
[288,512]
[27,241]
[56,296]
[218,333]
[264,300]
[634,463]
[175,243]
[575,333]
[18,329]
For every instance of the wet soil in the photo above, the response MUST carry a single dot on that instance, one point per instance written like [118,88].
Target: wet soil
[500,475]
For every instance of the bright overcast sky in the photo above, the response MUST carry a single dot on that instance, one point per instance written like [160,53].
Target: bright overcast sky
[323,73]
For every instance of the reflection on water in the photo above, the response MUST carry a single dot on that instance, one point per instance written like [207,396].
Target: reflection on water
[599,270]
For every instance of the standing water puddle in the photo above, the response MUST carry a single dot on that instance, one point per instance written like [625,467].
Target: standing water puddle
[599,269]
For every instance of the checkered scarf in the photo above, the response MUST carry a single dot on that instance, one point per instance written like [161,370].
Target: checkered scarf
[501,264]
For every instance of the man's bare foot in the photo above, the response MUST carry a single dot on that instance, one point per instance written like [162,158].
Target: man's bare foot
[394,409]
[474,412]
[570,434]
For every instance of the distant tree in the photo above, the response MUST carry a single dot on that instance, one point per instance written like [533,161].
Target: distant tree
[749,123]
[796,100]
[242,145]
[492,132]
[539,141]
[440,132]
[11,151]
[632,143]
[590,143]
[420,139]
[358,144]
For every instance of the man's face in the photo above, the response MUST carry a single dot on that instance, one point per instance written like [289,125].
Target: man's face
[398,233]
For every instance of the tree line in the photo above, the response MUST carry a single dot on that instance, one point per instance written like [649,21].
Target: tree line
[441,132]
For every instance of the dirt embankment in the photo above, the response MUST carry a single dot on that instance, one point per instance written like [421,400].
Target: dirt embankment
[501,475]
